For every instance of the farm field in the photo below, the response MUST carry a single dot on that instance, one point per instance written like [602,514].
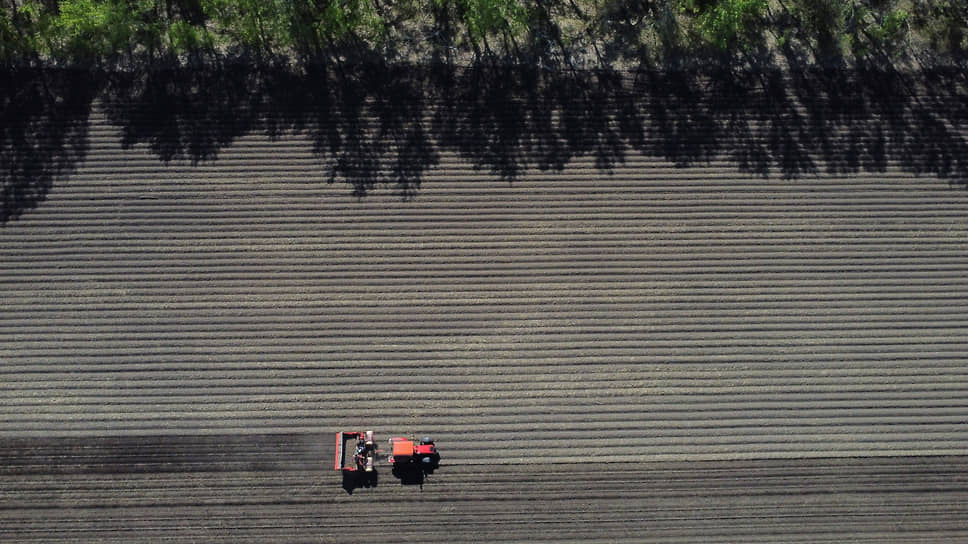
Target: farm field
[695,326]
[270,487]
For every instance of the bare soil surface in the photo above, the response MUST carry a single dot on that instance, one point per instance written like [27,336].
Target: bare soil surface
[721,331]
[272,488]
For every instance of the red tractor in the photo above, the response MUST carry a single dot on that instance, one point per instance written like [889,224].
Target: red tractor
[406,451]
[411,460]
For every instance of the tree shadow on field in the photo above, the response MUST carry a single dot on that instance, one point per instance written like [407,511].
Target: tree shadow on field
[184,113]
[808,121]
[364,119]
[744,116]
[374,125]
[509,120]
[871,118]
[366,122]
[43,132]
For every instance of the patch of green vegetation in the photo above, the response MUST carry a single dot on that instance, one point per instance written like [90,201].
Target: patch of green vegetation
[728,25]
[943,24]
[102,30]
[186,38]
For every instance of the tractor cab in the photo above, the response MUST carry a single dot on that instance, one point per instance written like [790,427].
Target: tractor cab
[406,451]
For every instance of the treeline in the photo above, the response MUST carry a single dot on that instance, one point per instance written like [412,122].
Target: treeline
[570,32]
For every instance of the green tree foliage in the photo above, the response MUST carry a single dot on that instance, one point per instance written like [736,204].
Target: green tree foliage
[728,24]
[891,27]
[11,43]
[633,28]
[481,19]
[90,30]
[815,26]
[84,30]
[944,25]
[186,38]
[27,30]
[320,24]
[818,17]
[105,30]
[258,25]
[875,29]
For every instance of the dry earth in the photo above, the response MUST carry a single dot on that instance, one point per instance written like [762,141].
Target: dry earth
[713,329]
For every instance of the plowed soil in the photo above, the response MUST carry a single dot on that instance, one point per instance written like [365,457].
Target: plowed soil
[711,324]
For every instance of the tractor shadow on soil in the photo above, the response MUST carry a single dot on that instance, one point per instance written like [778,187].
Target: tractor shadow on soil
[413,474]
[356,479]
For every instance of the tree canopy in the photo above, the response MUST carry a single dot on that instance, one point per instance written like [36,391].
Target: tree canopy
[568,31]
